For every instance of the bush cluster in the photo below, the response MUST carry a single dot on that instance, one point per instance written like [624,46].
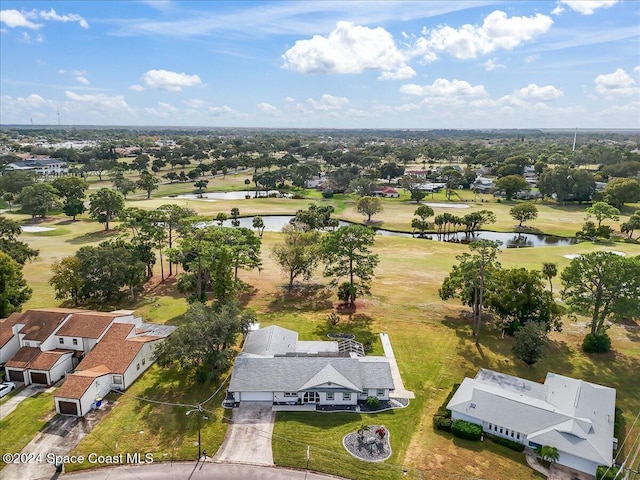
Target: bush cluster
[467,430]
[373,402]
[611,473]
[442,418]
[596,343]
[518,447]
[442,423]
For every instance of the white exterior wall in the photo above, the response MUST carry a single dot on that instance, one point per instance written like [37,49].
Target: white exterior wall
[9,349]
[98,389]
[68,343]
[29,343]
[62,366]
[462,416]
[373,392]
[280,397]
[338,399]
[577,463]
[132,372]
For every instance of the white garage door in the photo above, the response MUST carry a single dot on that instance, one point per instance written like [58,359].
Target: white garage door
[256,397]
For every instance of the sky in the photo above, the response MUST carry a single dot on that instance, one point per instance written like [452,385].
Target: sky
[321,64]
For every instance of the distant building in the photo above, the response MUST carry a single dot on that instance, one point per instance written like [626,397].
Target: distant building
[44,166]
[387,192]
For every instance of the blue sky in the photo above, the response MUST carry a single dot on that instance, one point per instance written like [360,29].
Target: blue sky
[349,64]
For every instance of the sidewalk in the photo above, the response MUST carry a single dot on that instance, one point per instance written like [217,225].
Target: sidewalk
[400,391]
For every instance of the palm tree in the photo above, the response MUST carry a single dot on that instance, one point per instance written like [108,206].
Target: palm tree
[362,429]
[549,270]
[547,453]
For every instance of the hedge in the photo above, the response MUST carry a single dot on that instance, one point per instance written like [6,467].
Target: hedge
[467,430]
[610,472]
[442,423]
[518,447]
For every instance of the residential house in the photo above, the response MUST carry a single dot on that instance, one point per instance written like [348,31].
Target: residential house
[386,192]
[276,367]
[574,416]
[9,342]
[119,357]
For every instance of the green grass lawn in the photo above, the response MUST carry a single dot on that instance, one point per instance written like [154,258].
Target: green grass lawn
[431,339]
[19,427]
[163,430]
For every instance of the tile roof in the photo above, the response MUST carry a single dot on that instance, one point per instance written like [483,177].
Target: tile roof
[46,360]
[76,384]
[115,350]
[87,324]
[41,323]
[22,357]
[6,327]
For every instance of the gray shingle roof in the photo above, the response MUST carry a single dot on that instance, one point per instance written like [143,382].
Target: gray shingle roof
[269,341]
[288,374]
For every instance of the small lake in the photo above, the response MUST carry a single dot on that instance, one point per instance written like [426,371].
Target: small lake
[239,195]
[274,223]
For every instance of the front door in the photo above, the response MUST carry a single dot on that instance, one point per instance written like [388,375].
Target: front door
[311,397]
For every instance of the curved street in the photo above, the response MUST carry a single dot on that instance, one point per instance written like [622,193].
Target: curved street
[193,471]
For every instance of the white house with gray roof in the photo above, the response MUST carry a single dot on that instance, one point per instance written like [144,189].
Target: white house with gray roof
[276,367]
[574,416]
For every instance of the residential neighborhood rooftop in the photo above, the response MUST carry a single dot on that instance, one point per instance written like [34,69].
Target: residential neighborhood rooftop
[86,324]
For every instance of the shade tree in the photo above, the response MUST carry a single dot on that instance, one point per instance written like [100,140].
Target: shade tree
[299,252]
[524,212]
[14,291]
[369,206]
[105,205]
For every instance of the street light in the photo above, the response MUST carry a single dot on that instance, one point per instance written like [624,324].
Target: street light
[200,416]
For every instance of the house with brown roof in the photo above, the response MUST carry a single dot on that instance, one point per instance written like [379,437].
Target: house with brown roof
[117,360]
[9,342]
[47,343]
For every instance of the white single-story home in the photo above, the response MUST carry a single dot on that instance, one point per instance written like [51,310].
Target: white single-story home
[386,192]
[43,166]
[574,416]
[82,391]
[275,367]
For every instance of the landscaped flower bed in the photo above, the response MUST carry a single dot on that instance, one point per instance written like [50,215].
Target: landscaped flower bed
[370,444]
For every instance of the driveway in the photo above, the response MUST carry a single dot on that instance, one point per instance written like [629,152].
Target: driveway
[248,438]
[10,405]
[59,437]
[400,391]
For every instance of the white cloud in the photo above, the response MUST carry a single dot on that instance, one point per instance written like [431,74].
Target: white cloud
[291,99]
[498,32]
[162,110]
[349,48]
[407,107]
[82,80]
[587,7]
[531,58]
[328,103]
[98,101]
[636,69]
[558,10]
[62,71]
[444,88]
[533,92]
[70,17]
[170,81]
[136,88]
[14,18]
[194,103]
[27,38]
[617,83]
[220,111]
[491,64]
[268,108]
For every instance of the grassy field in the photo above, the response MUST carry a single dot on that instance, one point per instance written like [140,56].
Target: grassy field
[20,426]
[432,341]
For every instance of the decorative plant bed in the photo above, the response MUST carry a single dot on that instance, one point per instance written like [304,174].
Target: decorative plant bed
[341,336]
[371,444]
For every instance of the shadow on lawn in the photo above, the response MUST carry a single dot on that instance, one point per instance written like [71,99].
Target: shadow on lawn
[302,298]
[93,237]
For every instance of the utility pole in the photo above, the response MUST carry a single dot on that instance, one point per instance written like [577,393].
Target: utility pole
[201,415]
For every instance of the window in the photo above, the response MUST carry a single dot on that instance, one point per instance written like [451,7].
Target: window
[137,366]
[501,430]
[75,341]
[346,396]
[117,379]
[511,433]
[290,394]
[144,361]
[329,395]
[490,426]
[61,340]
[380,392]
[518,436]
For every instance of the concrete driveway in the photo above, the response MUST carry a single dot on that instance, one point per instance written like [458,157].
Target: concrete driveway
[248,438]
[10,405]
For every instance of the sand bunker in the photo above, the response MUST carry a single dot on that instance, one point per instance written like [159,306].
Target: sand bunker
[35,229]
[571,256]
[445,205]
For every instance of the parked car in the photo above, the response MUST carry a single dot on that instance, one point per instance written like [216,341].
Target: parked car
[6,387]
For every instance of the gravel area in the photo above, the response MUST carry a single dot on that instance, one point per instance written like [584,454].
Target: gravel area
[369,447]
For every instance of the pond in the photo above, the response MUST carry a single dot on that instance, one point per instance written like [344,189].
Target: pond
[274,223]
[239,195]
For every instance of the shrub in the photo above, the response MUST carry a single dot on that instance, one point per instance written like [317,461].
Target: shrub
[518,447]
[327,193]
[467,430]
[596,343]
[611,473]
[373,402]
[617,423]
[442,423]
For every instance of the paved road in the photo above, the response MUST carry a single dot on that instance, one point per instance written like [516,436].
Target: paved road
[191,471]
[248,438]
[400,391]
[10,405]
